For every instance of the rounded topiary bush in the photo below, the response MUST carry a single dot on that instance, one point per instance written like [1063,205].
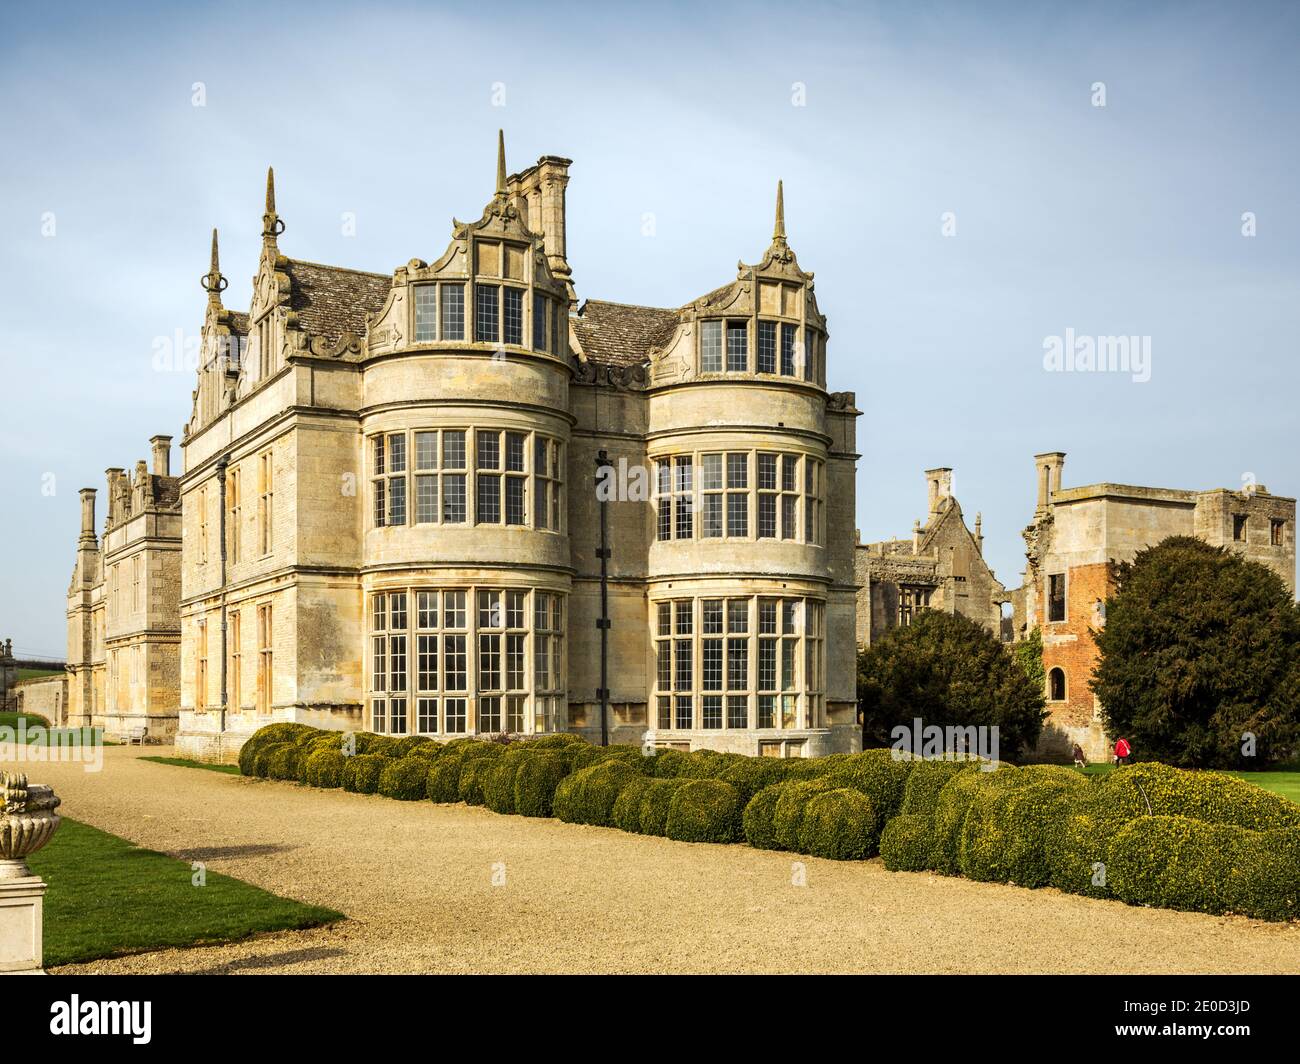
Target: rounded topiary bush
[538,776]
[670,763]
[790,807]
[751,774]
[281,732]
[557,741]
[627,807]
[906,842]
[385,746]
[1263,880]
[711,764]
[586,756]
[361,773]
[429,750]
[444,778]
[759,818]
[404,778]
[925,779]
[704,810]
[1080,844]
[879,774]
[282,762]
[1024,824]
[325,768]
[954,803]
[405,745]
[1161,790]
[655,803]
[473,779]
[499,787]
[261,762]
[1172,862]
[839,824]
[588,795]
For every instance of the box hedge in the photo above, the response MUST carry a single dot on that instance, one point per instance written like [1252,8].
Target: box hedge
[283,761]
[925,781]
[626,815]
[280,732]
[1022,829]
[588,795]
[324,768]
[879,774]
[790,807]
[906,842]
[704,810]
[1154,789]
[966,787]
[538,776]
[361,773]
[404,778]
[670,763]
[473,778]
[655,804]
[759,818]
[840,824]
[444,777]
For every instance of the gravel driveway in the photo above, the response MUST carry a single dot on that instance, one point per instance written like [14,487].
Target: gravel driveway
[457,889]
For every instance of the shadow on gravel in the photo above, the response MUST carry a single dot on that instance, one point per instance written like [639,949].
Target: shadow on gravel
[271,960]
[209,853]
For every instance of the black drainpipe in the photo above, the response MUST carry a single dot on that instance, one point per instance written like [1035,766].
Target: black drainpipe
[221,495]
[602,622]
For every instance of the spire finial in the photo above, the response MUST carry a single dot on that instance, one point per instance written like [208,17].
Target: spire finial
[501,162]
[778,231]
[213,283]
[272,226]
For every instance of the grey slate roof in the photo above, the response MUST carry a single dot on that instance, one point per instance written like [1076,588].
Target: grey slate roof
[619,334]
[332,300]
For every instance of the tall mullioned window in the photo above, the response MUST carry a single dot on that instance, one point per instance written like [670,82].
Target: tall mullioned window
[448,661]
[426,313]
[739,662]
[452,303]
[710,347]
[487,304]
[737,346]
[467,476]
[713,495]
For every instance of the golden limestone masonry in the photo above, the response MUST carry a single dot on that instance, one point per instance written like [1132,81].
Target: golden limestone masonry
[395,490]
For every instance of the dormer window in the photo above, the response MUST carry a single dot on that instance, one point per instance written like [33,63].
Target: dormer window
[737,346]
[710,347]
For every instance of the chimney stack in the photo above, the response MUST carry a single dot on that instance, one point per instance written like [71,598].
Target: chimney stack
[541,189]
[1048,467]
[940,486]
[162,455]
[88,513]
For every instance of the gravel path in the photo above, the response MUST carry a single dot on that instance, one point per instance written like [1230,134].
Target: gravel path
[416,881]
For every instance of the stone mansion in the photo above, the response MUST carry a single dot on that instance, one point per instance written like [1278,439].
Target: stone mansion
[390,517]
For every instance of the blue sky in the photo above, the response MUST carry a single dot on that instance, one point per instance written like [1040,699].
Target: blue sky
[1117,220]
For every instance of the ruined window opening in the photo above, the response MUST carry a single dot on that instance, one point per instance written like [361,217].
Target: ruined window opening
[1056,597]
[1239,528]
[1276,529]
[912,600]
[1056,685]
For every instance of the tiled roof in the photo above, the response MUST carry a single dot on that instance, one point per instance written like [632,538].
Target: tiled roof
[331,300]
[618,334]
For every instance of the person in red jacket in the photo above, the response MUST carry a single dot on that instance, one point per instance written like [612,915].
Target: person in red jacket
[1123,752]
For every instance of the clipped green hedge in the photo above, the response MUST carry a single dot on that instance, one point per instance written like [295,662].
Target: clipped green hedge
[588,795]
[1213,797]
[925,781]
[1025,822]
[538,777]
[472,784]
[656,803]
[759,819]
[282,732]
[324,768]
[790,808]
[282,761]
[954,803]
[840,824]
[444,778]
[704,810]
[361,773]
[879,774]
[906,842]
[404,778]
[626,815]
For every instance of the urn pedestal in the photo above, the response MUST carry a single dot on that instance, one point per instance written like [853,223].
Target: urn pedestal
[27,822]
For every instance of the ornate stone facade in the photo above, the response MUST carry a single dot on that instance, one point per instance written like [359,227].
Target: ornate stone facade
[392,518]
[941,566]
[123,614]
[1075,536]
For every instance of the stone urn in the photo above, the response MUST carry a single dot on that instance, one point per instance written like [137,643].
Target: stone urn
[27,822]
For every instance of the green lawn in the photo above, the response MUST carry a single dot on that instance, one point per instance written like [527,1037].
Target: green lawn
[31,674]
[108,896]
[1284,782]
[185,762]
[89,736]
